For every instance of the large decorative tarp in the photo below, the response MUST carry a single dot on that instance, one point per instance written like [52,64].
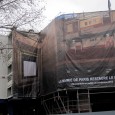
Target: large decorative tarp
[79,52]
[26,65]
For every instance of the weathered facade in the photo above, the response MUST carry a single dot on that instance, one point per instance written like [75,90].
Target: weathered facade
[75,46]
[20,73]
[78,61]
[26,65]
[66,68]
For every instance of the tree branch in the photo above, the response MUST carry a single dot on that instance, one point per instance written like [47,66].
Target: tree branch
[8,3]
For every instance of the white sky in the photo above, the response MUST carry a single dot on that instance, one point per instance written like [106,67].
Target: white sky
[57,7]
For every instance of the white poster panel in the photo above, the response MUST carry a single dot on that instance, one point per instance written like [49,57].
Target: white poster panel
[29,68]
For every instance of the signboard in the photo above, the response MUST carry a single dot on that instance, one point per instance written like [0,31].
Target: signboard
[92,65]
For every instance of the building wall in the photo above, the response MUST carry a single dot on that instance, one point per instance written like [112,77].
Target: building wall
[3,88]
[113,16]
[71,28]
[49,49]
[26,65]
[3,68]
[68,42]
[6,61]
[91,22]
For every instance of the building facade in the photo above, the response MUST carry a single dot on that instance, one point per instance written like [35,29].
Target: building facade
[3,66]
[78,63]
[20,73]
[3,74]
[67,68]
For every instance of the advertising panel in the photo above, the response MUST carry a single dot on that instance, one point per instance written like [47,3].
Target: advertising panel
[86,60]
[26,66]
[75,56]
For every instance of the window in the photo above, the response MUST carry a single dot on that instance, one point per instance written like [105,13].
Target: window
[93,39]
[89,22]
[86,23]
[69,28]
[9,69]
[9,91]
[9,78]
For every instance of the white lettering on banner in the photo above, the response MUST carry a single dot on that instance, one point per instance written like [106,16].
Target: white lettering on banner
[88,80]
[92,83]
[98,78]
[111,77]
[75,79]
[83,79]
[65,80]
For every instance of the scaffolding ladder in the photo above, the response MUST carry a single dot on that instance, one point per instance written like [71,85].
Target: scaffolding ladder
[83,98]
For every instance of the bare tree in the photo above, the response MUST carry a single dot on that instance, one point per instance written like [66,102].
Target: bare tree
[21,14]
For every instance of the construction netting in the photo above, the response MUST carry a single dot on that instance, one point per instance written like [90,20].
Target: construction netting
[79,52]
[26,65]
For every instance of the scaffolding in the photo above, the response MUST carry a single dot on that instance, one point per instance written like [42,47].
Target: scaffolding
[67,102]
[79,100]
[78,64]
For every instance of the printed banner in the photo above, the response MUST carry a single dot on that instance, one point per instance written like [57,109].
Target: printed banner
[26,66]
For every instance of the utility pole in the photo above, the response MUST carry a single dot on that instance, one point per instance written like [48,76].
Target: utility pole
[109,8]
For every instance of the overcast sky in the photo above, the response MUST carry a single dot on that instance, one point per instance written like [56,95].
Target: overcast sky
[57,7]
